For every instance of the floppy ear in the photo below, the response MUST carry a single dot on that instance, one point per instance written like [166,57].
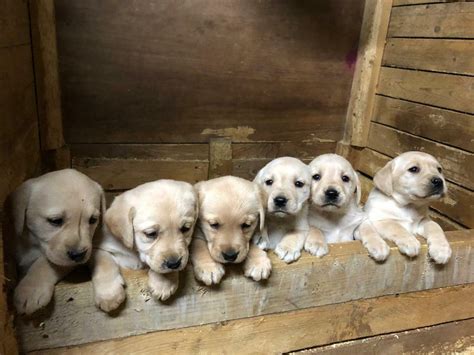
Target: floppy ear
[383,179]
[261,207]
[358,189]
[19,201]
[119,220]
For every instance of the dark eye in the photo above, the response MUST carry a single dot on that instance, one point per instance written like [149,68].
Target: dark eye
[414,169]
[345,178]
[56,221]
[184,229]
[245,225]
[440,170]
[151,235]
[269,182]
[93,220]
[214,225]
[317,177]
[299,183]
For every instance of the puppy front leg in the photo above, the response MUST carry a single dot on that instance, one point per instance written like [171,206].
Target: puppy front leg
[163,286]
[257,265]
[315,243]
[372,241]
[107,281]
[438,246]
[289,248]
[36,289]
[395,232]
[205,268]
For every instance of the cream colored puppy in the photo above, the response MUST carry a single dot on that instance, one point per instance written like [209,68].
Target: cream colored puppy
[55,217]
[397,208]
[157,220]
[286,185]
[230,211]
[334,206]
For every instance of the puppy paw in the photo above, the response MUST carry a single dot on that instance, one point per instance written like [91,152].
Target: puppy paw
[409,247]
[440,253]
[162,287]
[287,252]
[29,297]
[316,247]
[257,268]
[378,250]
[209,273]
[110,294]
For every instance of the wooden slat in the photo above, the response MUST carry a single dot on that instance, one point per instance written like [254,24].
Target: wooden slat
[451,20]
[14,23]
[442,90]
[441,125]
[220,157]
[307,283]
[303,150]
[298,329]
[415,2]
[443,55]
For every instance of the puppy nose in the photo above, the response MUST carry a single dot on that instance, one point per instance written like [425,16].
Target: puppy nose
[173,263]
[331,194]
[230,255]
[280,201]
[77,256]
[437,182]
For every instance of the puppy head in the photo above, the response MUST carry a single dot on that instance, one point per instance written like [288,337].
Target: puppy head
[60,211]
[335,184]
[157,219]
[412,177]
[286,186]
[230,209]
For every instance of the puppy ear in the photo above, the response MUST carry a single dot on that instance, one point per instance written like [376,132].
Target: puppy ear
[383,179]
[261,208]
[358,188]
[18,202]
[119,220]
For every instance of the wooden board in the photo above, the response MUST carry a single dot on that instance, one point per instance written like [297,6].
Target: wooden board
[415,2]
[442,55]
[441,90]
[14,23]
[307,283]
[184,72]
[451,20]
[444,126]
[279,333]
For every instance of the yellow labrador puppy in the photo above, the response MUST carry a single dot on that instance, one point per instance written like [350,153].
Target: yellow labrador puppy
[230,210]
[286,185]
[55,217]
[334,206]
[157,220]
[397,208]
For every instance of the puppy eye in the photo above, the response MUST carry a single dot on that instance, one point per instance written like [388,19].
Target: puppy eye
[317,177]
[56,221]
[245,225]
[414,169]
[93,220]
[151,234]
[269,182]
[184,229]
[214,225]
[345,178]
[440,170]
[299,183]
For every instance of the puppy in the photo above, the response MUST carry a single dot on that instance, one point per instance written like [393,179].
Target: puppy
[157,220]
[334,206]
[286,186]
[230,210]
[55,217]
[397,208]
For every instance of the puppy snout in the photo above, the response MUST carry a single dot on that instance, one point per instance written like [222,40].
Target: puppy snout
[331,194]
[280,201]
[437,182]
[77,256]
[173,263]
[230,255]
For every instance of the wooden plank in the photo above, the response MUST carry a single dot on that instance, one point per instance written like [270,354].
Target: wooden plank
[416,2]
[298,329]
[14,23]
[451,20]
[449,127]
[449,338]
[307,283]
[369,57]
[220,157]
[302,150]
[442,55]
[436,89]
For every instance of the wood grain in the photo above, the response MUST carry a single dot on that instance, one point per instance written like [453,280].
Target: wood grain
[451,20]
[220,157]
[307,283]
[415,2]
[14,23]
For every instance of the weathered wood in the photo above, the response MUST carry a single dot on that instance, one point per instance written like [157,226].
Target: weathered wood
[443,55]
[414,2]
[369,58]
[220,157]
[449,127]
[14,23]
[302,150]
[451,20]
[288,331]
[449,338]
[437,89]
[307,283]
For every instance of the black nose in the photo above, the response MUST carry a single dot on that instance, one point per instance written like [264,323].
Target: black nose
[331,194]
[76,256]
[437,182]
[173,263]
[280,201]
[230,255]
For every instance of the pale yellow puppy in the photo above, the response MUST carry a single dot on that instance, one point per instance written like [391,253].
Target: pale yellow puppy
[397,208]
[230,211]
[156,220]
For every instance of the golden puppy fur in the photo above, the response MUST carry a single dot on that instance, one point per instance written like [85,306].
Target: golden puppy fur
[230,211]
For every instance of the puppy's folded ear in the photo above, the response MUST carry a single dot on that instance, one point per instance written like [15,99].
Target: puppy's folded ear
[119,220]
[18,205]
[261,211]
[358,189]
[383,179]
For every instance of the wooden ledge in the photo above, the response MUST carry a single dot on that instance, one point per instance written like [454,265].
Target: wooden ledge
[346,274]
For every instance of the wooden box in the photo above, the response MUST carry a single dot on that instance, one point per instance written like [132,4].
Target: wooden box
[132,91]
